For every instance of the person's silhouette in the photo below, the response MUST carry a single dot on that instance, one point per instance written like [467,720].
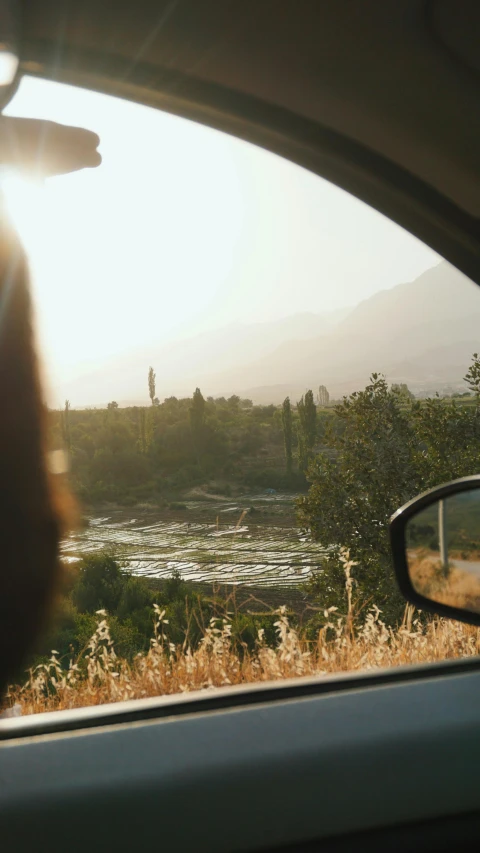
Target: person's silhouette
[35,506]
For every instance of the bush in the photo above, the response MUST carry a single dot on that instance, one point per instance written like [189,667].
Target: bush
[100,584]
[372,582]
[135,596]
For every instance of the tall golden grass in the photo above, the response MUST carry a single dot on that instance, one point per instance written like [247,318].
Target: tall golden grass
[344,644]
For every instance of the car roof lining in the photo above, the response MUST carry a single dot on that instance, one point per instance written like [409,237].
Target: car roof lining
[376,72]
[377,181]
[367,95]
[457,26]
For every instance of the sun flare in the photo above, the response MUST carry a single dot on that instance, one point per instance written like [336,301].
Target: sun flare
[24,198]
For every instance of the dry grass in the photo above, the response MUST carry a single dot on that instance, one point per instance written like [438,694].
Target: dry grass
[342,645]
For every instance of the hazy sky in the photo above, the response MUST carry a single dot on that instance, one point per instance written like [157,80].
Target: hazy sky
[184,228]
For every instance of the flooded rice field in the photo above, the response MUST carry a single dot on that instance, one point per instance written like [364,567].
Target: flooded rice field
[253,541]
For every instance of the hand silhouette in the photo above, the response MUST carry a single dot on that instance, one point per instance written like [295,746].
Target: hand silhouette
[46,148]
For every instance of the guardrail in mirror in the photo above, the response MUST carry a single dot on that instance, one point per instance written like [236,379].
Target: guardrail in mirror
[436,549]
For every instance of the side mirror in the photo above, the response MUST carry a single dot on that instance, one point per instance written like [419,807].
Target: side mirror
[435,542]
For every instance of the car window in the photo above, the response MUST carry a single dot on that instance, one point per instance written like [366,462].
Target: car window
[248,371]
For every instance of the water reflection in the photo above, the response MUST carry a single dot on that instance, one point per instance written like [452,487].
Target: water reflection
[226,543]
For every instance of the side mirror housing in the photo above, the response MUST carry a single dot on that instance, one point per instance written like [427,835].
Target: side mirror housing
[435,541]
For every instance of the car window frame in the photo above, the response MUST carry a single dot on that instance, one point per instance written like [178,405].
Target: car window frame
[381,184]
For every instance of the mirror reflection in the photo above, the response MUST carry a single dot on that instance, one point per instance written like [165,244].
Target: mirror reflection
[443,551]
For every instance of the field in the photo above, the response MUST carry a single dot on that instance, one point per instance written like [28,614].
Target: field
[154,459]
[342,645]
[251,546]
[252,541]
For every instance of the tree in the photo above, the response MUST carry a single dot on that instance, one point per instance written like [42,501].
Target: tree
[447,446]
[472,378]
[197,420]
[99,584]
[66,426]
[403,391]
[151,384]
[323,396]
[197,411]
[353,495]
[142,430]
[390,449]
[113,405]
[287,432]
[307,430]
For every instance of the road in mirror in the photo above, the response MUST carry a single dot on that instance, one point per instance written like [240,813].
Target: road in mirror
[443,551]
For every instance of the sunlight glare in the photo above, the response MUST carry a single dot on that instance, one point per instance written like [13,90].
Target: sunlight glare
[8,67]
[180,231]
[24,197]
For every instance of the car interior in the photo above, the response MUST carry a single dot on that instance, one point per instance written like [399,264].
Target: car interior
[380,99]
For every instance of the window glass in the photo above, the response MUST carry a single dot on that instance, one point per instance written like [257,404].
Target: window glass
[248,370]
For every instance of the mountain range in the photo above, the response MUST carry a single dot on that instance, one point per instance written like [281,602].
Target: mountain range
[421,332]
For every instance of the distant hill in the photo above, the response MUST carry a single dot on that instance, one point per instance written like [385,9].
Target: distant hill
[183,364]
[421,332]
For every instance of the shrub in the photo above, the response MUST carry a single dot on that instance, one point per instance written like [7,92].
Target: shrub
[99,585]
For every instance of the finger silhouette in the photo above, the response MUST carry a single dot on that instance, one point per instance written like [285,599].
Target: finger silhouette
[45,147]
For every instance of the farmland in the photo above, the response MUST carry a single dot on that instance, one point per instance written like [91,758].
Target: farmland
[252,540]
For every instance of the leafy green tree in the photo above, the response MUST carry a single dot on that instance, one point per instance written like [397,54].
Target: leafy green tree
[448,434]
[197,411]
[142,430]
[323,396]
[197,414]
[151,384]
[287,433]
[352,496]
[374,473]
[135,596]
[472,377]
[100,584]
[389,449]
[307,429]
[403,391]
[111,414]
[448,442]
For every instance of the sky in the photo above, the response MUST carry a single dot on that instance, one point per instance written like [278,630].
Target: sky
[184,229]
